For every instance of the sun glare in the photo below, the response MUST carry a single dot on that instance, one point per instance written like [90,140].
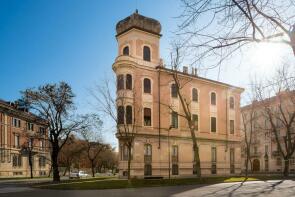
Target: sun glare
[266,55]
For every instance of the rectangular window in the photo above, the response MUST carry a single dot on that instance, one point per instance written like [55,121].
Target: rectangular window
[174,154]
[174,169]
[147,170]
[174,119]
[16,141]
[16,122]
[213,124]
[196,121]
[213,160]
[232,160]
[120,82]
[266,149]
[147,116]
[232,126]
[42,161]
[279,161]
[30,126]
[41,130]
[174,91]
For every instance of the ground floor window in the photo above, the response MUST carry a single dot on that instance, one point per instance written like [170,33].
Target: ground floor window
[213,168]
[147,170]
[174,169]
[16,160]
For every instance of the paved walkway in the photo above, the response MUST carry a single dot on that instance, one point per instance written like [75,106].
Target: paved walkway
[255,188]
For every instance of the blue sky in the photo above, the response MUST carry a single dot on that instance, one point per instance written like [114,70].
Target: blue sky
[70,40]
[44,41]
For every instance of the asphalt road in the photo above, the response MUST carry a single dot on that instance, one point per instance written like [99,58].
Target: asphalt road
[255,188]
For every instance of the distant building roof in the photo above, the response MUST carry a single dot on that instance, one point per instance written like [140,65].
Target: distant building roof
[13,109]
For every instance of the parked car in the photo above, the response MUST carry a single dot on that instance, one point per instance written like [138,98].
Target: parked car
[78,175]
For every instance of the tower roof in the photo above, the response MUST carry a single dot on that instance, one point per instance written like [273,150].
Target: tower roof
[140,22]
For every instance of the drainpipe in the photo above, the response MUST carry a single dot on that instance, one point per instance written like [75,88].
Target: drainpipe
[159,106]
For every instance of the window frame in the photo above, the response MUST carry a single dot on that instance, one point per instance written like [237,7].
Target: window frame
[144,117]
[215,101]
[211,124]
[173,91]
[148,88]
[195,95]
[232,127]
[231,102]
[128,50]
[147,58]
[174,115]
[129,81]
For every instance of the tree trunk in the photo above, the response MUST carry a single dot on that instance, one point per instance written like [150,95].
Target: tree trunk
[196,153]
[30,163]
[286,167]
[92,168]
[129,161]
[54,160]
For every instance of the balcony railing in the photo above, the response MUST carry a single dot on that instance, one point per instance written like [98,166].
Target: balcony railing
[147,159]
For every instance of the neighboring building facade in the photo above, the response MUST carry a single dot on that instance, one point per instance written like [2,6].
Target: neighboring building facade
[145,89]
[264,153]
[20,129]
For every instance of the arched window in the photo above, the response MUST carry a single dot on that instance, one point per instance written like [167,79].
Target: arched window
[231,103]
[213,98]
[195,95]
[147,116]
[146,54]
[129,114]
[120,115]
[126,50]
[120,82]
[147,85]
[129,82]
[173,90]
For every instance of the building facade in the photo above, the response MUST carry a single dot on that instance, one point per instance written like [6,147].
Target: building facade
[21,133]
[149,108]
[264,151]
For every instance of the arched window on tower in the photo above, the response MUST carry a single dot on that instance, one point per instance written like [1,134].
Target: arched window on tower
[120,115]
[129,114]
[129,82]
[146,53]
[126,50]
[120,82]
[147,85]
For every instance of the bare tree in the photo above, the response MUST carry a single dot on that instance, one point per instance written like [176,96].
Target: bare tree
[277,98]
[249,120]
[114,106]
[70,153]
[54,103]
[180,83]
[218,29]
[93,142]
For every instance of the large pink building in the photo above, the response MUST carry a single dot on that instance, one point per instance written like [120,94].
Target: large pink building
[148,105]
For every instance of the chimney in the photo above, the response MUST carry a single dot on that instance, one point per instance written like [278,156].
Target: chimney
[194,71]
[185,69]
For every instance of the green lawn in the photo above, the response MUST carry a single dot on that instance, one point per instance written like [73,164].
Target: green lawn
[135,183]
